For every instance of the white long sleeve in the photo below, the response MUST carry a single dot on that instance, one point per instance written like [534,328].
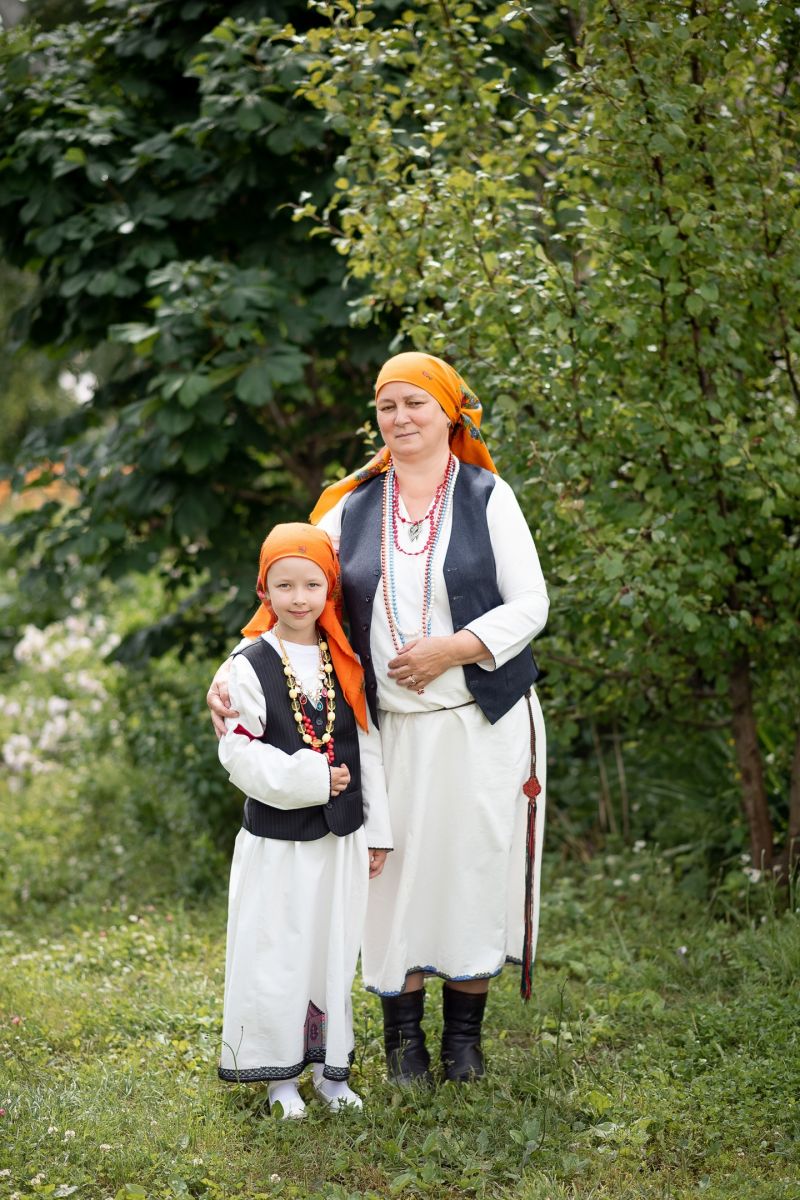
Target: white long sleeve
[373,789]
[508,629]
[287,781]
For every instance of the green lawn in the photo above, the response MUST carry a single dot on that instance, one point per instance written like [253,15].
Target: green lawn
[658,1058]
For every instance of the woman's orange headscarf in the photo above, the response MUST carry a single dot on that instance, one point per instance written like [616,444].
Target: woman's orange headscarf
[462,407]
[295,540]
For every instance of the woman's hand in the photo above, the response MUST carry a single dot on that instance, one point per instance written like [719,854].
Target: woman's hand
[218,699]
[377,860]
[419,663]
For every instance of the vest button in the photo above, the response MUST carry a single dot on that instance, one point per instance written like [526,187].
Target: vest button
[365,628]
[329,805]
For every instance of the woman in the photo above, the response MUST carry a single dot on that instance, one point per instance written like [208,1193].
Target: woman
[443,592]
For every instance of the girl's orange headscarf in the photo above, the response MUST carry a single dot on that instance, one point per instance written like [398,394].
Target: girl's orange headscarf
[295,540]
[462,407]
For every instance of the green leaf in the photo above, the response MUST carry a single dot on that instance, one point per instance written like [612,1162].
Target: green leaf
[254,385]
[174,420]
[192,389]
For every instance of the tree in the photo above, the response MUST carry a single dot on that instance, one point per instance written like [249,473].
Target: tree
[149,156]
[28,380]
[617,266]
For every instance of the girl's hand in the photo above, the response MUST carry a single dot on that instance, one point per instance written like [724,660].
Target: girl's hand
[218,699]
[340,777]
[377,860]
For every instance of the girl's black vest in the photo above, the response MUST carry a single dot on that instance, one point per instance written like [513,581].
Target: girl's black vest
[470,577]
[343,813]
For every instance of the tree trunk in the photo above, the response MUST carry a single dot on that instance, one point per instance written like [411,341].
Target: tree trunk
[793,839]
[748,756]
[605,809]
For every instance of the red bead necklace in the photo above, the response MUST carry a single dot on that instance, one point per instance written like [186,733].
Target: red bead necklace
[414,527]
[436,512]
[298,700]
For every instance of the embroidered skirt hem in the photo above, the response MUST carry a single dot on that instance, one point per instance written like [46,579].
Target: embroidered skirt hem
[267,1074]
[510,960]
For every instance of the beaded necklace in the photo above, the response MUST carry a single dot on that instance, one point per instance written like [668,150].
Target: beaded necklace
[298,699]
[389,540]
[414,527]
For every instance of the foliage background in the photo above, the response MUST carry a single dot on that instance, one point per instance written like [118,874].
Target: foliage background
[215,220]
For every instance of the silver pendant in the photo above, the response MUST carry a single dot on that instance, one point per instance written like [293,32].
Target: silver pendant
[413,530]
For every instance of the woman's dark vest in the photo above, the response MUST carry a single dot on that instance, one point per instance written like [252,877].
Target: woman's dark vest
[470,576]
[343,813]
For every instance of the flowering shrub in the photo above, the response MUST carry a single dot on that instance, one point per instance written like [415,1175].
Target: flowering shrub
[111,786]
[45,726]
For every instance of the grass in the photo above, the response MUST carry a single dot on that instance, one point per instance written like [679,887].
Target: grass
[658,1058]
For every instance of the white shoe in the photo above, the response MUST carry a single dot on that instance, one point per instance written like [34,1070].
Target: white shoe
[285,1093]
[335,1094]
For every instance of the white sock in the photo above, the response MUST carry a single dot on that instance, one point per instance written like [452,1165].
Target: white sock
[334,1092]
[285,1093]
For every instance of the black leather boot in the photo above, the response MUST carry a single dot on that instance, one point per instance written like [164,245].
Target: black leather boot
[407,1059]
[462,1058]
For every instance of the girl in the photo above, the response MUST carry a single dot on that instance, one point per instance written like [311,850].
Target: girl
[314,804]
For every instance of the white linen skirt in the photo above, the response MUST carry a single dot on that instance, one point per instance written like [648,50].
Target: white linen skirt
[450,901]
[295,915]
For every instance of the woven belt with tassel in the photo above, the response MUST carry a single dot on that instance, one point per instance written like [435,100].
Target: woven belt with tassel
[531,788]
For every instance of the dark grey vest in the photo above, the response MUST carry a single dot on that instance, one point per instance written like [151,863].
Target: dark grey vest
[470,577]
[343,813]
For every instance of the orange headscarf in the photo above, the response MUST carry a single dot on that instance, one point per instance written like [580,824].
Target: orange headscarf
[462,407]
[295,540]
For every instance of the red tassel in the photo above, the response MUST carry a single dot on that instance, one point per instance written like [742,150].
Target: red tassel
[532,789]
[526,983]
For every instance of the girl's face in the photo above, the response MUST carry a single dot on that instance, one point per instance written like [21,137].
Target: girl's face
[411,421]
[297,590]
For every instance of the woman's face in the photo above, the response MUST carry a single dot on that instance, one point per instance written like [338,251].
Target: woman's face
[412,423]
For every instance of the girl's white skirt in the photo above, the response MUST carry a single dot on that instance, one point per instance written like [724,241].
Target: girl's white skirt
[295,916]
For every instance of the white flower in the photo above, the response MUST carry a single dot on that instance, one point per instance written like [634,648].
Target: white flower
[30,645]
[753,874]
[274,1178]
[6,1171]
[69,1134]
[635,878]
[640,845]
[104,1146]
[52,1129]
[618,882]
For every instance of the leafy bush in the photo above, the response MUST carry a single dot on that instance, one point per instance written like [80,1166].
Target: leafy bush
[112,783]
